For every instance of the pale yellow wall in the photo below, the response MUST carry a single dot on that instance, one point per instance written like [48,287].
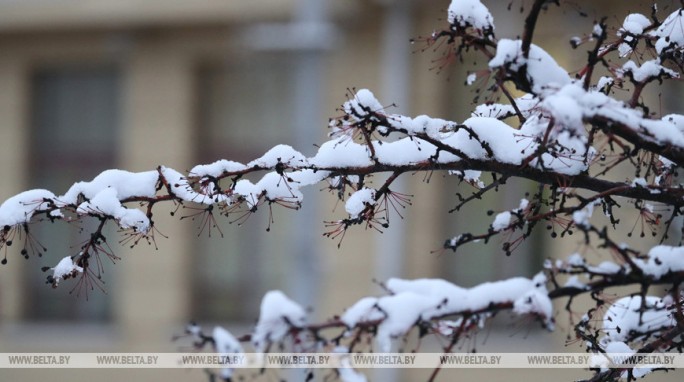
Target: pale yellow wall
[158,66]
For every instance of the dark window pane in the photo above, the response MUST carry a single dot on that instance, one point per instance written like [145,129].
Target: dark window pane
[75,117]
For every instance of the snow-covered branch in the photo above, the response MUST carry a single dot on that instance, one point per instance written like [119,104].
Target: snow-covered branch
[567,134]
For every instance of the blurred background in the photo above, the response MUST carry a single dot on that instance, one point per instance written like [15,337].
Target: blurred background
[91,85]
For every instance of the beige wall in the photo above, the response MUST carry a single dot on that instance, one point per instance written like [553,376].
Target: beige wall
[159,53]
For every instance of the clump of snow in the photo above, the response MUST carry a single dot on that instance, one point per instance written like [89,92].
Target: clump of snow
[450,298]
[470,176]
[217,168]
[597,31]
[307,177]
[467,13]
[648,70]
[364,101]
[605,268]
[282,154]
[502,139]
[625,318]
[225,343]
[526,104]
[472,77]
[276,187]
[127,184]
[433,127]
[535,301]
[581,217]
[404,151]
[362,310]
[675,119]
[106,203]
[661,260]
[346,371]
[340,153]
[542,70]
[501,221]
[425,299]
[277,315]
[21,207]
[358,201]
[671,32]
[402,311]
[575,260]
[661,131]
[65,269]
[639,182]
[634,24]
[182,189]
[249,191]
[604,81]
[574,282]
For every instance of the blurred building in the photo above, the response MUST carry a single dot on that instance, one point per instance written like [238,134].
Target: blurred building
[133,84]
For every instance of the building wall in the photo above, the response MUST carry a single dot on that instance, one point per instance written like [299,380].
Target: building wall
[159,51]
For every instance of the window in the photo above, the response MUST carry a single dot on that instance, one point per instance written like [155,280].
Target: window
[244,109]
[75,116]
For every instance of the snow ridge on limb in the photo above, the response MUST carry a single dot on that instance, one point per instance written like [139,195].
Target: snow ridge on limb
[567,133]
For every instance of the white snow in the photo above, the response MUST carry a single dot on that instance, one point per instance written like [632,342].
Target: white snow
[639,182]
[106,203]
[283,154]
[181,188]
[432,127]
[623,319]
[65,269]
[278,188]
[21,207]
[217,168]
[426,299]
[402,311]
[501,221]
[635,24]
[451,298]
[363,310]
[345,371]
[340,153]
[277,315]
[648,70]
[127,184]
[581,217]
[470,176]
[363,102]
[576,260]
[574,282]
[597,31]
[542,70]
[604,81]
[226,344]
[605,268]
[661,260]
[404,151]
[249,191]
[472,77]
[671,32]
[470,13]
[358,201]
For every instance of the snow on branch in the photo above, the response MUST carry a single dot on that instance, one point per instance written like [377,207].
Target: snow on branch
[571,135]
